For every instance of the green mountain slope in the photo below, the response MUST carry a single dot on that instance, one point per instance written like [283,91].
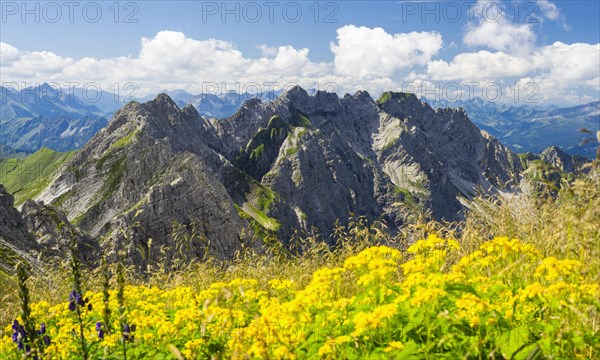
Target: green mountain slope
[26,178]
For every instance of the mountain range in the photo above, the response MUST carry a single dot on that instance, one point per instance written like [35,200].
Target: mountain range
[44,116]
[214,105]
[6,152]
[298,162]
[528,128]
[65,120]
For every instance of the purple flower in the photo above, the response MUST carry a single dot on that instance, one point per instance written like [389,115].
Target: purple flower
[99,326]
[20,345]
[43,328]
[76,299]
[18,333]
[47,340]
[126,332]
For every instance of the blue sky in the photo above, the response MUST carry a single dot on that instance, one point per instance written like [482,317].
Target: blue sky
[518,44]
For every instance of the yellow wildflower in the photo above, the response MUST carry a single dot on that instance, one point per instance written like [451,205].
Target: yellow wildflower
[394,345]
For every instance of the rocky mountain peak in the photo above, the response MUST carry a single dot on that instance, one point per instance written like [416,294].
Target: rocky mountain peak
[403,105]
[296,94]
[451,111]
[163,101]
[276,166]
[363,94]
[555,156]
[16,243]
[190,111]
[392,97]
[251,103]
[162,108]
[6,199]
[160,118]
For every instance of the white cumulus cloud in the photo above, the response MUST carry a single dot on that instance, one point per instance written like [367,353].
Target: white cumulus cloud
[8,54]
[569,62]
[370,53]
[363,59]
[493,28]
[172,60]
[482,65]
[549,10]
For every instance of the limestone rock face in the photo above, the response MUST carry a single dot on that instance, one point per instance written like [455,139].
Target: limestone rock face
[39,233]
[53,232]
[152,165]
[354,155]
[16,243]
[299,162]
[441,155]
[555,156]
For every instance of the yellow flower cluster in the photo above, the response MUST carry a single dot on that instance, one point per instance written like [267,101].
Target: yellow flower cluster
[551,268]
[381,303]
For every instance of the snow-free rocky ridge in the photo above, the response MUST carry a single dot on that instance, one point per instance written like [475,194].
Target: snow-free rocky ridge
[298,162]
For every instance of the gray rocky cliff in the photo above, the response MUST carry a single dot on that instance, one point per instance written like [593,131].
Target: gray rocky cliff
[555,156]
[16,243]
[299,162]
[39,234]
[440,155]
[54,233]
[154,160]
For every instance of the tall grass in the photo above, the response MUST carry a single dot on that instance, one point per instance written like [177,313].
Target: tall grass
[566,225]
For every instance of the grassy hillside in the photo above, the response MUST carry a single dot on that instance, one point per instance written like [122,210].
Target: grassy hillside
[518,279]
[26,178]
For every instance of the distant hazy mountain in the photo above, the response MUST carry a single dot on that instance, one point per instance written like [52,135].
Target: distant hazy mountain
[180,97]
[106,102]
[44,116]
[8,152]
[42,100]
[217,106]
[533,128]
[222,106]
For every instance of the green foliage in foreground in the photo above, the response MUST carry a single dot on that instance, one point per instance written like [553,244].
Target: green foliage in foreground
[465,290]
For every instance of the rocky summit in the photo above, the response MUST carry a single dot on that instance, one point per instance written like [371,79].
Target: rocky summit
[38,233]
[16,243]
[300,162]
